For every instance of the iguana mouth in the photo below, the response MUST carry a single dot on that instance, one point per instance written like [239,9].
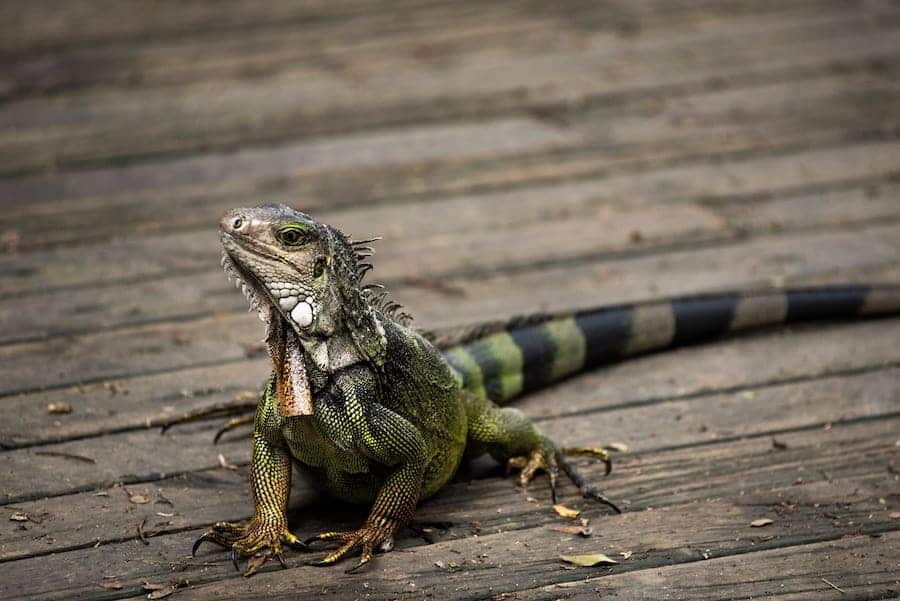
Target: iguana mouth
[250,286]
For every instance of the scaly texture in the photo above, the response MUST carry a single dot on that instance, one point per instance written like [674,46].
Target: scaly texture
[380,414]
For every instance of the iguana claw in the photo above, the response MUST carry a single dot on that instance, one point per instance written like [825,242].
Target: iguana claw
[370,537]
[247,539]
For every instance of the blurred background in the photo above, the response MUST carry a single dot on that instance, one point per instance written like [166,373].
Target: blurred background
[515,156]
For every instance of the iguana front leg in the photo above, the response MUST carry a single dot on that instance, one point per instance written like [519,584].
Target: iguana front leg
[270,480]
[392,441]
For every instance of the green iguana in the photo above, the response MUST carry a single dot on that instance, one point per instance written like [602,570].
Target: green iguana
[381,414]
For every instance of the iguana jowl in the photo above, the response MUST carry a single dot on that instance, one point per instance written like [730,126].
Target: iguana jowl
[380,414]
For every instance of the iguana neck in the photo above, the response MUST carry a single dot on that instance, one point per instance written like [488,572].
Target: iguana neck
[294,356]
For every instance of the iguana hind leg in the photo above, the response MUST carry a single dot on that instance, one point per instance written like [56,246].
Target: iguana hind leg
[508,435]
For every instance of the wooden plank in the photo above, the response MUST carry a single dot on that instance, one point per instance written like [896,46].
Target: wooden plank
[62,223]
[106,24]
[746,362]
[130,456]
[431,33]
[205,117]
[685,521]
[754,263]
[59,23]
[857,567]
[651,478]
[614,204]
[159,347]
[327,174]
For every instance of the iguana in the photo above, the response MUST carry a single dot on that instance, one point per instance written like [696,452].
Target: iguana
[381,414]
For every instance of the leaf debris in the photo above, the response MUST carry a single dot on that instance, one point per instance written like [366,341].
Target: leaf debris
[566,512]
[140,532]
[834,586]
[759,523]
[59,408]
[136,498]
[581,530]
[589,560]
[158,591]
[226,464]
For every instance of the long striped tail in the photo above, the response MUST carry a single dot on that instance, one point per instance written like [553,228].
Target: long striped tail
[502,360]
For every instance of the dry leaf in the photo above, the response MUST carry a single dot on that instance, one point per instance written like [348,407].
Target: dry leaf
[579,530]
[158,591]
[62,407]
[566,512]
[163,514]
[224,463]
[254,564]
[761,522]
[112,585]
[894,515]
[149,586]
[138,499]
[626,554]
[19,516]
[620,447]
[586,561]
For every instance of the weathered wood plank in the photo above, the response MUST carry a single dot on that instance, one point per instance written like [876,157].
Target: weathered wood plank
[613,204]
[213,339]
[647,230]
[857,567]
[57,208]
[143,455]
[107,24]
[59,23]
[431,33]
[204,116]
[132,403]
[679,484]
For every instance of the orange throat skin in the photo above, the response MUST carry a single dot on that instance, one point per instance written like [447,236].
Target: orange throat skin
[291,381]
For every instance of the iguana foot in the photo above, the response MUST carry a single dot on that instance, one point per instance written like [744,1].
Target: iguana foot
[371,537]
[551,460]
[249,538]
[539,459]
[588,490]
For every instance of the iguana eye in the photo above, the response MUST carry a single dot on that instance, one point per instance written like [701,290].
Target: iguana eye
[291,235]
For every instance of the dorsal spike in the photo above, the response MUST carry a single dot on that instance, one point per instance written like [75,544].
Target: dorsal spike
[366,240]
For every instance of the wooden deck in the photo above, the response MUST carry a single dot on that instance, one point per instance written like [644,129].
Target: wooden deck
[515,156]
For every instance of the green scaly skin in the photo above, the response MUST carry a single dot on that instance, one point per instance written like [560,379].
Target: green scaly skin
[382,415]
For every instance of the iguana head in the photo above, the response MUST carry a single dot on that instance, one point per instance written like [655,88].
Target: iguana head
[303,278]
[279,255]
[293,267]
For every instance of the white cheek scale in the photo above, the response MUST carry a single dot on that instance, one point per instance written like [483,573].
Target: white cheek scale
[302,314]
